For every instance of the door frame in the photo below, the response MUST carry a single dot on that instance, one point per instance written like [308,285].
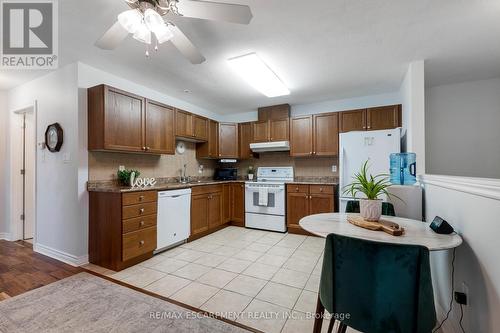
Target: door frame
[16,160]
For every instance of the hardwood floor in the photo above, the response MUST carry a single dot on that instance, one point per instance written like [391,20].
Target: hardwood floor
[21,269]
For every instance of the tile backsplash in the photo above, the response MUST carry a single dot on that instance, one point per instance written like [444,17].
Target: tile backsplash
[104,165]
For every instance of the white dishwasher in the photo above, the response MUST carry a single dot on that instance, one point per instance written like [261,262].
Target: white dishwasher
[174,218]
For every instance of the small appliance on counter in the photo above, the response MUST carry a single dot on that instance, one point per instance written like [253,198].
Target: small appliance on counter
[226,174]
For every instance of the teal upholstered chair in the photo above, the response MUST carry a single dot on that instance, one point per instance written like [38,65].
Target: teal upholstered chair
[387,208]
[378,287]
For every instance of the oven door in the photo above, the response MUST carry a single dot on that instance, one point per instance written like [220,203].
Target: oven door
[275,199]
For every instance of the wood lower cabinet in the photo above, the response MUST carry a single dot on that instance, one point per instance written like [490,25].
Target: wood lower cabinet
[228,140]
[206,210]
[122,228]
[238,204]
[245,136]
[304,200]
[226,203]
[315,135]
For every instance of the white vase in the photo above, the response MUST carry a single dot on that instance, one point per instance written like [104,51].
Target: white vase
[370,210]
[250,176]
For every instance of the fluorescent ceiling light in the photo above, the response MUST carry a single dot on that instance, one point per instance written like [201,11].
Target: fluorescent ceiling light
[255,71]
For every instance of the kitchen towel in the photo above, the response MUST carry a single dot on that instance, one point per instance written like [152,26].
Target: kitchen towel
[263,196]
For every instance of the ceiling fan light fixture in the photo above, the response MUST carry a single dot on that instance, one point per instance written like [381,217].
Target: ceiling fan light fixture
[258,74]
[143,34]
[153,20]
[131,20]
[163,34]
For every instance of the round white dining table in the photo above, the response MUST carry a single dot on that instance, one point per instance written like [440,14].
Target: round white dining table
[416,232]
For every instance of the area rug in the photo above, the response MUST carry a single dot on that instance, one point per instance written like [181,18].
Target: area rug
[88,303]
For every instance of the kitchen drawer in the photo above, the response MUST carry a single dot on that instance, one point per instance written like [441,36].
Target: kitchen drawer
[321,189]
[138,242]
[296,188]
[205,189]
[139,223]
[129,212]
[135,198]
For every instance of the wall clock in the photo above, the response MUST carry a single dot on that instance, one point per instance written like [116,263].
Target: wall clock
[54,137]
[181,147]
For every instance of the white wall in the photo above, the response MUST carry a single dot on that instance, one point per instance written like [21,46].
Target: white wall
[462,133]
[4,151]
[472,206]
[60,229]
[412,93]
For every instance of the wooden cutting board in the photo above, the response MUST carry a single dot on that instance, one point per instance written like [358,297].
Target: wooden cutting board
[388,227]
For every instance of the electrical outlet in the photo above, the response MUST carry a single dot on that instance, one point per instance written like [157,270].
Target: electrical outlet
[121,168]
[334,168]
[460,298]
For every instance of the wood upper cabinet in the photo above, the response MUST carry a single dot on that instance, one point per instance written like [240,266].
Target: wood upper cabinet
[274,112]
[279,129]
[354,120]
[184,124]
[245,136]
[301,136]
[305,200]
[238,203]
[384,117]
[228,140]
[226,202]
[159,128]
[210,148]
[371,119]
[200,125]
[315,135]
[261,131]
[124,122]
[326,134]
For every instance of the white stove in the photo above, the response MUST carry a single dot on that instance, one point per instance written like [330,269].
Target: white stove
[265,199]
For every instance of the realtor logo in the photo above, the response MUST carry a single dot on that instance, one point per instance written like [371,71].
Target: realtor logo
[29,34]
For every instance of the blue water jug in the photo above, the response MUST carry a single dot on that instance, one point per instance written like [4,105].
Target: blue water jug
[403,168]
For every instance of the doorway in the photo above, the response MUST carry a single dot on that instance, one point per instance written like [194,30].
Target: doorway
[24,174]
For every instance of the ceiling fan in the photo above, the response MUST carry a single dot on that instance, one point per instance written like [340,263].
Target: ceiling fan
[145,21]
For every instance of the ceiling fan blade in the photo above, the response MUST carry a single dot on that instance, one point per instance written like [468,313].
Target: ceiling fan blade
[184,45]
[112,38]
[215,11]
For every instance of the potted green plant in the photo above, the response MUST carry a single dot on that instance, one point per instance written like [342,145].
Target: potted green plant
[251,172]
[124,176]
[372,187]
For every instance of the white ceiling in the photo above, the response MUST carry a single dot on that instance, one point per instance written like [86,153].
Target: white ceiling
[322,49]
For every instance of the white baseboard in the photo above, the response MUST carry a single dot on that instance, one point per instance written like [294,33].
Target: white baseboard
[5,236]
[61,256]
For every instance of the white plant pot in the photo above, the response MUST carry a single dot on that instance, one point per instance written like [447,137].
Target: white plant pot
[370,210]
[250,176]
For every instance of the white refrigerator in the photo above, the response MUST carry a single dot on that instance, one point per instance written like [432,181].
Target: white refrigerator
[357,147]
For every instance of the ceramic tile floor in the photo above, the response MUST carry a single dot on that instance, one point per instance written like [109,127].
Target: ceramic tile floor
[239,273]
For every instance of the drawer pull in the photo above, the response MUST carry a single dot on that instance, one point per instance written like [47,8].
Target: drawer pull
[296,189]
[141,198]
[141,243]
[141,211]
[141,224]
[321,189]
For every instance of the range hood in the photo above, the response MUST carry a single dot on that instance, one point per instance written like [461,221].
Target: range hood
[263,147]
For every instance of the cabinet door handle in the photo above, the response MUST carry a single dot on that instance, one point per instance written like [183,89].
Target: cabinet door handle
[369,127]
[310,153]
[141,243]
[310,197]
[143,148]
[147,148]
[321,189]
[141,223]
[141,210]
[307,196]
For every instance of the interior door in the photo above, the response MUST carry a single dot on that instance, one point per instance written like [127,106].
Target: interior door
[301,136]
[123,121]
[159,126]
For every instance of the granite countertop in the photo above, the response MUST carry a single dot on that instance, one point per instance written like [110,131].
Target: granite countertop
[165,184]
